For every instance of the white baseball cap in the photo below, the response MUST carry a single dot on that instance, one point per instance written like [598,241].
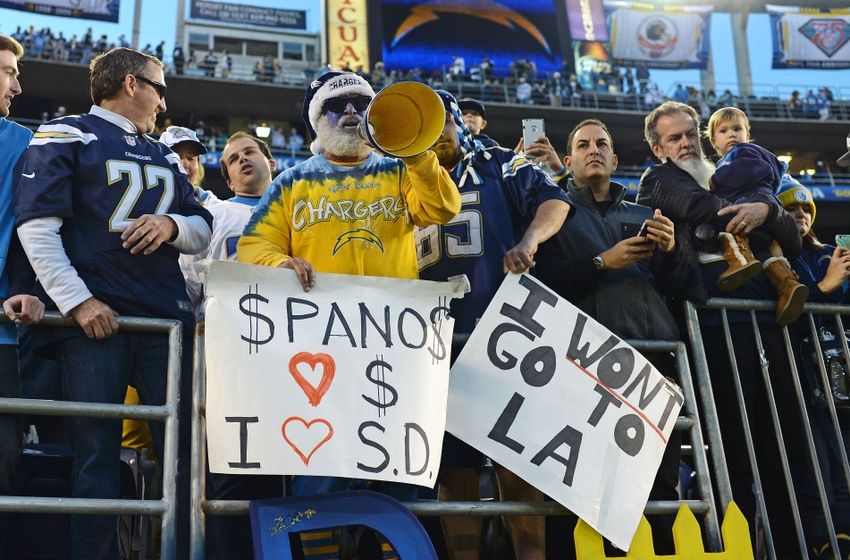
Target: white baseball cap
[175,135]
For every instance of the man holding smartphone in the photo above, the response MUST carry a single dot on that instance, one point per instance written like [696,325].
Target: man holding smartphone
[601,263]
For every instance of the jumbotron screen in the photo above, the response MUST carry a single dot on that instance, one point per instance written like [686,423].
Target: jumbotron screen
[429,34]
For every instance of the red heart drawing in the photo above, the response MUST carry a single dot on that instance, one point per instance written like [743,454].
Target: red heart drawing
[307,425]
[314,394]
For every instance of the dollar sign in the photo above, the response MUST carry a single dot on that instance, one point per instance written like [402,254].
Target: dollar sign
[376,373]
[438,347]
[248,304]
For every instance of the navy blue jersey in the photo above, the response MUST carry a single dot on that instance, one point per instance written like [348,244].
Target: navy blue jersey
[99,178]
[494,215]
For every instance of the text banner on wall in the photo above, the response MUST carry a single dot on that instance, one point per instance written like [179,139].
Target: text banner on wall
[553,396]
[243,14]
[810,38]
[673,37]
[587,20]
[347,380]
[104,10]
[427,35]
[348,34]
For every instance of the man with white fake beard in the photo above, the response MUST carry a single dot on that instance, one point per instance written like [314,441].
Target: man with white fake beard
[679,187]
[347,209]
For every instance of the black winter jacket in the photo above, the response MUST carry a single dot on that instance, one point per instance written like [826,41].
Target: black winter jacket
[680,198]
[627,301]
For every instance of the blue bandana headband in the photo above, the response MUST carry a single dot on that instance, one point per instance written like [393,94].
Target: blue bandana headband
[469,146]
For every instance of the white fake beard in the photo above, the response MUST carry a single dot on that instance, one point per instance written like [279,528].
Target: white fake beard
[340,141]
[699,168]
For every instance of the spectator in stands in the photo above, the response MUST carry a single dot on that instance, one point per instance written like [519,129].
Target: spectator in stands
[225,65]
[598,262]
[185,143]
[475,118]
[278,139]
[457,70]
[333,105]
[523,92]
[61,187]
[678,187]
[795,104]
[247,166]
[822,104]
[517,208]
[270,69]
[29,309]
[295,142]
[746,172]
[810,105]
[379,75]
[556,87]
[680,94]
[485,69]
[160,50]
[179,59]
[642,75]
[726,99]
[573,92]
[122,41]
[826,270]
[208,64]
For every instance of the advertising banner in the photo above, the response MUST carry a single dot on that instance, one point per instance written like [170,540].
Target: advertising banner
[673,37]
[104,10]
[349,379]
[587,20]
[348,34]
[243,14]
[810,38]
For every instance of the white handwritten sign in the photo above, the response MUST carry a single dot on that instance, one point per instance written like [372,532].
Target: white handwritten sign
[552,395]
[349,379]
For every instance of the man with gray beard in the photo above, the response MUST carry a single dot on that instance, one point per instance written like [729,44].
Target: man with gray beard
[347,209]
[679,187]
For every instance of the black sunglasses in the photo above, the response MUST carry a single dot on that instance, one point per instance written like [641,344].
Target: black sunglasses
[339,104]
[160,88]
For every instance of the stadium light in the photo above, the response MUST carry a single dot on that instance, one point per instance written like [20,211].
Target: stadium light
[263,131]
[786,159]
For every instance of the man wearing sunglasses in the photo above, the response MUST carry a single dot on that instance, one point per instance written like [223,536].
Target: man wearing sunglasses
[347,209]
[103,212]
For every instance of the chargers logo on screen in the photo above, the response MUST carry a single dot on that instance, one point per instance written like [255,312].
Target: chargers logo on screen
[484,9]
[828,35]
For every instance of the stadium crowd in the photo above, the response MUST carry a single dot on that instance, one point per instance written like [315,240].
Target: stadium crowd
[606,85]
[742,229]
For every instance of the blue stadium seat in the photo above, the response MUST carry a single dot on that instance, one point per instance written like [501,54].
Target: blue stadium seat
[273,520]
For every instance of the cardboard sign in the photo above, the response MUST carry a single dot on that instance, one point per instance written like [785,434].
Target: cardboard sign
[347,380]
[550,394]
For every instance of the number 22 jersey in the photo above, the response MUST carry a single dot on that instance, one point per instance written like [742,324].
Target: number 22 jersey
[98,177]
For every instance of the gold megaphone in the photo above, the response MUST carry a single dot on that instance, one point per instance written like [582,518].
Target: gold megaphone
[404,119]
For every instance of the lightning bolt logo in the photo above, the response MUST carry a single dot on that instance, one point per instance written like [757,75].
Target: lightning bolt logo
[359,233]
[484,9]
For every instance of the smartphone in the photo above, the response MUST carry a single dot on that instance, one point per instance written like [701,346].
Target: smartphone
[532,129]
[634,230]
[842,240]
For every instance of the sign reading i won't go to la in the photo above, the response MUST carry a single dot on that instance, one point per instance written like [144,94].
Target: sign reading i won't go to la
[555,397]
[348,380]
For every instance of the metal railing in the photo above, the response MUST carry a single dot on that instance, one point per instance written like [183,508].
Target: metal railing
[813,315]
[689,420]
[165,507]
